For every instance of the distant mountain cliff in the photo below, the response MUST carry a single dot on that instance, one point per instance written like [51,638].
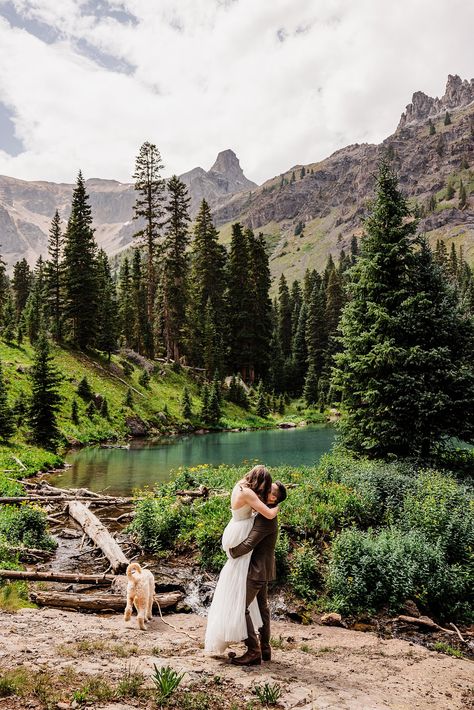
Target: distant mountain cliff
[324,202]
[330,197]
[26,208]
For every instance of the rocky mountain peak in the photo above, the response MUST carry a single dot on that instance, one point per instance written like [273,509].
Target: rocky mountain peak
[458,93]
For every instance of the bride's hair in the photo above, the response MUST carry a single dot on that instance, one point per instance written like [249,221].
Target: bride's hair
[260,481]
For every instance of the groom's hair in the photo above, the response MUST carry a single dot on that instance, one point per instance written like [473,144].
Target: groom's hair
[281,491]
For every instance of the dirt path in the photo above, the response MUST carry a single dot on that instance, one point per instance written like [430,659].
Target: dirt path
[318,667]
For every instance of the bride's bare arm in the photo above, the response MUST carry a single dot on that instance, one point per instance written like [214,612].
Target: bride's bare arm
[254,501]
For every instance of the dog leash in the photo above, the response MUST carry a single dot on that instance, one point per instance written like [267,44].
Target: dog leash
[180,631]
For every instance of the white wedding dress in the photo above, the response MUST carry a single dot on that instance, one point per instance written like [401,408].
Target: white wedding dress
[226,617]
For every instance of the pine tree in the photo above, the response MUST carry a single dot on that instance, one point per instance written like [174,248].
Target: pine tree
[261,406]
[186,409]
[91,409]
[84,389]
[204,414]
[432,202]
[462,196]
[293,177]
[45,398]
[6,418]
[142,335]
[75,412]
[431,126]
[276,370]
[54,277]
[80,272]
[175,268]
[404,370]
[104,408]
[21,284]
[207,288]
[34,315]
[261,312]
[302,172]
[107,327]
[8,319]
[447,119]
[284,317]
[212,345]
[128,401]
[300,352]
[144,379]
[20,408]
[316,341]
[214,408]
[125,304]
[240,306]
[149,210]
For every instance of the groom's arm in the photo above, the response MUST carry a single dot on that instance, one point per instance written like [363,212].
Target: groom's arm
[259,531]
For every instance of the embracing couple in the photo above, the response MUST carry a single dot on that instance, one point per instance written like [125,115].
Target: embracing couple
[239,608]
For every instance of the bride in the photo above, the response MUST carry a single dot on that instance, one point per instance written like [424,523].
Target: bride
[226,619]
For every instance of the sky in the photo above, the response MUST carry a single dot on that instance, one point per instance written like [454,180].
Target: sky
[83,83]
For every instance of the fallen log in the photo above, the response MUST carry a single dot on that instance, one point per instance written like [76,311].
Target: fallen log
[98,534]
[202,492]
[98,602]
[27,554]
[8,500]
[35,576]
[423,621]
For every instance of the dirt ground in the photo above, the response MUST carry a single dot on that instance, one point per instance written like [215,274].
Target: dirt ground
[317,667]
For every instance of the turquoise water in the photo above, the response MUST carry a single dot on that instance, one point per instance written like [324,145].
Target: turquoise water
[119,471]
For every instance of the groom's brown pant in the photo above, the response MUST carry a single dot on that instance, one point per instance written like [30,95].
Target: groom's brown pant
[259,590]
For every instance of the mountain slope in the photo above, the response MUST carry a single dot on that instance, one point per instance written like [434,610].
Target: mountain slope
[330,197]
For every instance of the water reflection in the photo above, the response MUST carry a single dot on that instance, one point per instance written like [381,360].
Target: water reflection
[118,471]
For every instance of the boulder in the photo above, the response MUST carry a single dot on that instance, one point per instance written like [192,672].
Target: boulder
[136,426]
[332,619]
[287,425]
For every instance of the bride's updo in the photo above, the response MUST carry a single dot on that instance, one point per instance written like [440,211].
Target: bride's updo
[260,481]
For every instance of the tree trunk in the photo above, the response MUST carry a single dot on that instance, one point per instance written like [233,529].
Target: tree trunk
[102,579]
[98,602]
[99,534]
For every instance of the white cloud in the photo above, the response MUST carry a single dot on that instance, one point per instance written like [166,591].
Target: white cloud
[281,83]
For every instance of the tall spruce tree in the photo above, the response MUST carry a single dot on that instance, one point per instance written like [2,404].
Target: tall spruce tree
[8,319]
[315,342]
[125,304]
[149,209]
[284,317]
[300,352]
[21,284]
[53,277]
[45,397]
[175,268]
[405,372]
[34,312]
[107,315]
[261,306]
[80,272]
[141,329]
[240,297]
[207,287]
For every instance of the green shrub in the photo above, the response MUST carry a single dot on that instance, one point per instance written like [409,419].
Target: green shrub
[305,571]
[157,522]
[444,511]
[211,518]
[26,525]
[368,570]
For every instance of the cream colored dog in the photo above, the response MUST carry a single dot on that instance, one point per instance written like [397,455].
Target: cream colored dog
[140,592]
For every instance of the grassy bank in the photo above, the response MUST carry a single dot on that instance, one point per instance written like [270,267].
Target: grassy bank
[356,535]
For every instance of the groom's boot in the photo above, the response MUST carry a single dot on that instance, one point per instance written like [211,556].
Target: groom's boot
[250,658]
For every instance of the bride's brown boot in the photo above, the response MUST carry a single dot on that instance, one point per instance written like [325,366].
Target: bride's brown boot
[250,658]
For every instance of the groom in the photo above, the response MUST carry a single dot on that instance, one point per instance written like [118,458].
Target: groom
[262,569]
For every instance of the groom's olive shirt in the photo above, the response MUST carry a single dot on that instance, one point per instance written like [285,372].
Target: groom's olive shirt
[262,540]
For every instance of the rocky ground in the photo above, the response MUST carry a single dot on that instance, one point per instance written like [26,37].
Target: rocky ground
[317,667]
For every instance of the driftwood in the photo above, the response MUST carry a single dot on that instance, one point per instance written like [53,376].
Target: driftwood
[7,500]
[57,576]
[202,492]
[98,602]
[30,554]
[423,621]
[98,534]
